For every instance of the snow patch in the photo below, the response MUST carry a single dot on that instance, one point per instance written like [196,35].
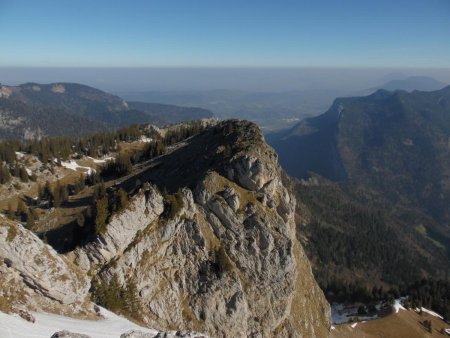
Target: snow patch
[47,324]
[100,161]
[74,166]
[341,313]
[146,139]
[432,313]
[398,306]
[353,325]
[20,155]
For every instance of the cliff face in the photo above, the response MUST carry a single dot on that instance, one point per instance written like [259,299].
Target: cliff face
[226,261]
[216,253]
[33,274]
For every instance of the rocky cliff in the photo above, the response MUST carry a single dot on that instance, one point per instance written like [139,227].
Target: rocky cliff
[208,244]
[222,258]
[32,274]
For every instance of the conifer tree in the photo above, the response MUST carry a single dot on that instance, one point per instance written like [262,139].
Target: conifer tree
[21,210]
[101,215]
[5,176]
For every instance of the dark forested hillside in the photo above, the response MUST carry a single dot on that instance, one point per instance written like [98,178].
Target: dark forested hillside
[395,143]
[36,110]
[19,120]
[352,235]
[373,203]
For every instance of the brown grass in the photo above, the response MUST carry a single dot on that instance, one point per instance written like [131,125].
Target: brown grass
[405,324]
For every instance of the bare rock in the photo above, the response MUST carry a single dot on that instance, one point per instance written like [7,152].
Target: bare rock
[228,263]
[136,334]
[67,334]
[38,266]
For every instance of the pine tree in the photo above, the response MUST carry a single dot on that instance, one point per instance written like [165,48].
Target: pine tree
[40,193]
[101,215]
[10,212]
[56,197]
[31,219]
[5,176]
[121,200]
[63,194]
[130,297]
[23,174]
[16,171]
[21,210]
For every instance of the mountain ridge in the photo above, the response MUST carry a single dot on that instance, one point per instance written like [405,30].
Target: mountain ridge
[219,242]
[88,108]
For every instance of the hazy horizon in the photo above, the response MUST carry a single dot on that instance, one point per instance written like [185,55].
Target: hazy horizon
[271,79]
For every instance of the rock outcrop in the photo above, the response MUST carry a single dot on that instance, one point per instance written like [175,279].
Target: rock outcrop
[33,273]
[68,334]
[224,260]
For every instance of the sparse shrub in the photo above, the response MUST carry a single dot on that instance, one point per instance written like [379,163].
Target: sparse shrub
[173,203]
[12,233]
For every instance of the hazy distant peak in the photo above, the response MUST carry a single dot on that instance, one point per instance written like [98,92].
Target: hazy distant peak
[423,83]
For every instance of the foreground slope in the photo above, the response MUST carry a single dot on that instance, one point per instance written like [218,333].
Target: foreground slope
[207,243]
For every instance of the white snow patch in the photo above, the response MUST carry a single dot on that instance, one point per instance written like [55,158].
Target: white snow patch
[332,327]
[398,306]
[146,139]
[432,313]
[74,166]
[47,324]
[353,325]
[341,313]
[20,154]
[29,172]
[100,161]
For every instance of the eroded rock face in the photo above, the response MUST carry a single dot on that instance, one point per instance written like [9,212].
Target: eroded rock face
[36,267]
[227,263]
[123,227]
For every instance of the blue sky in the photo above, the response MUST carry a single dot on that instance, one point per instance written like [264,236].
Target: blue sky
[357,33]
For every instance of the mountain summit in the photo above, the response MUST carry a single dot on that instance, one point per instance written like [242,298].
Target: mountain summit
[208,245]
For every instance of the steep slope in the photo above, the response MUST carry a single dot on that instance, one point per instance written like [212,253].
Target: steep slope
[386,140]
[209,245]
[389,150]
[19,120]
[353,235]
[32,274]
[225,251]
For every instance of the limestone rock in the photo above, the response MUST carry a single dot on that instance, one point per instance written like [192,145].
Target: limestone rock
[227,263]
[67,334]
[136,334]
[38,266]
[122,228]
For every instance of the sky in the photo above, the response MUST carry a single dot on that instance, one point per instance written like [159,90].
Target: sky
[209,33]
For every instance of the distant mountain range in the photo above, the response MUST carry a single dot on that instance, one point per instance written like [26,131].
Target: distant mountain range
[67,109]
